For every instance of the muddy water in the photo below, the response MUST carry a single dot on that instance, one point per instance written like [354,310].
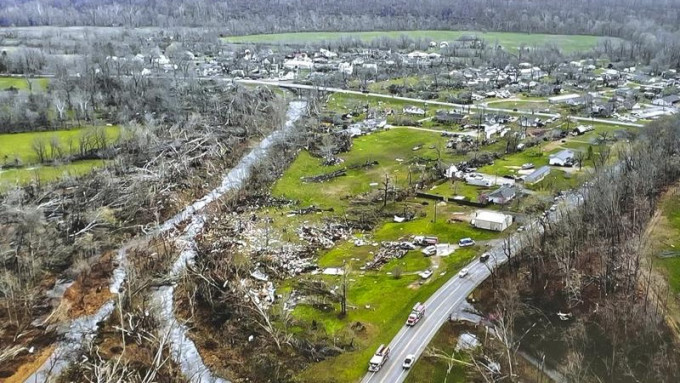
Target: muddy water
[183,350]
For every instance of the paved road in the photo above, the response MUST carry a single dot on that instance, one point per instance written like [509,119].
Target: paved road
[429,102]
[414,340]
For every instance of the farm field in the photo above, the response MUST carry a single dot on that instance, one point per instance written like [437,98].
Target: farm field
[45,174]
[19,146]
[510,41]
[20,83]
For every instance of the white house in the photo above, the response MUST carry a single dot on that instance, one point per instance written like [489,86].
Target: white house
[562,158]
[491,220]
[414,110]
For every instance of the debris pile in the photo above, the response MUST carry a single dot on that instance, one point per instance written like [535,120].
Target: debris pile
[326,176]
[389,251]
[325,236]
[308,210]
[338,173]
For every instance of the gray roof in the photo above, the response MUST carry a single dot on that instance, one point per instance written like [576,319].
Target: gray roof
[538,173]
[672,99]
[503,192]
[563,155]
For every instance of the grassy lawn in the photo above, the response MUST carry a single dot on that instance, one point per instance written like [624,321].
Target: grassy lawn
[509,164]
[510,41]
[460,188]
[37,84]
[385,147]
[667,238]
[381,303]
[431,369]
[20,145]
[45,174]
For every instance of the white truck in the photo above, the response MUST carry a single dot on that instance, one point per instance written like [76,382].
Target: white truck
[416,314]
[379,358]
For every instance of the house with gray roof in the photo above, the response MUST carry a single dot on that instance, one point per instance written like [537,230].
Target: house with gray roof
[562,158]
[502,195]
[537,175]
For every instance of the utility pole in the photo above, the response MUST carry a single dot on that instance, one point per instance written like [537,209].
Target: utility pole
[343,303]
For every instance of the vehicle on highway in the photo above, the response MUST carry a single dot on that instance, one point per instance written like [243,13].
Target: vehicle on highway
[466,242]
[416,314]
[484,257]
[408,362]
[463,272]
[379,358]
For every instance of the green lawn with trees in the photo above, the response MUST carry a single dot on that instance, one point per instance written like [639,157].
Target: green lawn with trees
[510,41]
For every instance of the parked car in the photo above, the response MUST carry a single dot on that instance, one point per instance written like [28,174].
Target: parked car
[463,272]
[484,257]
[528,166]
[408,362]
[465,242]
[430,250]
[426,274]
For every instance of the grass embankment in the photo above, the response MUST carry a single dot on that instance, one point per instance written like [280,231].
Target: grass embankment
[18,149]
[510,41]
[665,238]
[25,84]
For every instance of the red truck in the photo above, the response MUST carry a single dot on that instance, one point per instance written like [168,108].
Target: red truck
[416,314]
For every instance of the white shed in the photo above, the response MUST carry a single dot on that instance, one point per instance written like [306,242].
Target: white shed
[491,220]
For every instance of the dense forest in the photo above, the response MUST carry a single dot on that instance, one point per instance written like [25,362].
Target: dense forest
[620,18]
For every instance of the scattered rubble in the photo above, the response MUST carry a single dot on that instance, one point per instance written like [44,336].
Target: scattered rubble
[389,251]
[323,237]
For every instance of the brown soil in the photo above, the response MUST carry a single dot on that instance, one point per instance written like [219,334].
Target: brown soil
[90,290]
[23,365]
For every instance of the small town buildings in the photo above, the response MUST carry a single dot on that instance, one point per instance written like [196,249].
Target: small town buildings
[582,129]
[562,158]
[667,101]
[414,110]
[563,98]
[537,175]
[502,195]
[491,220]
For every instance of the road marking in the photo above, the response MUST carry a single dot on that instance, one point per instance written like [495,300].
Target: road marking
[422,328]
[429,334]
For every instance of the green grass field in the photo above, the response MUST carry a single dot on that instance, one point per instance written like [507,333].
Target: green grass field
[385,147]
[46,174]
[20,145]
[510,41]
[36,84]
[667,234]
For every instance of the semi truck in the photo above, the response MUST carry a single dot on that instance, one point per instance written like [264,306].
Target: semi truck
[416,314]
[379,358]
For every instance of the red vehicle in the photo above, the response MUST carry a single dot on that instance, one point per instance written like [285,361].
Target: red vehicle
[417,313]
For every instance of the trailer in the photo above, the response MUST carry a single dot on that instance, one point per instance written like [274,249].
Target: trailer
[379,358]
[417,313]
